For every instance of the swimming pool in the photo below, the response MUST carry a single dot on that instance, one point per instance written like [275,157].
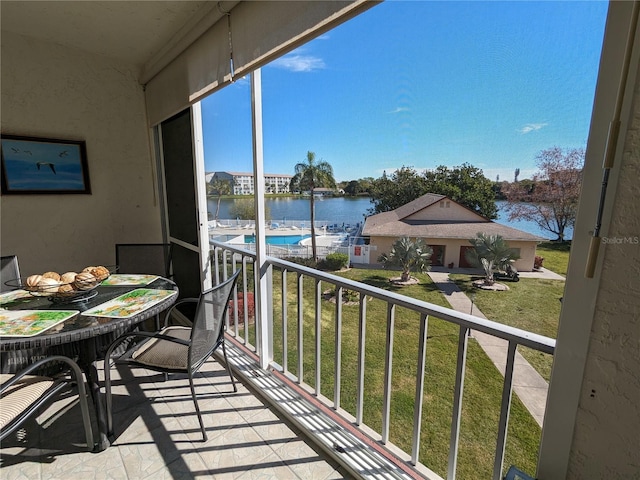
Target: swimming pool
[223,238]
[278,239]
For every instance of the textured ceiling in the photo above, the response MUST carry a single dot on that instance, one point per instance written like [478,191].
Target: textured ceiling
[132,31]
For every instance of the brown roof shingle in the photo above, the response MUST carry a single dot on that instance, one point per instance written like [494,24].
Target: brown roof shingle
[394,224]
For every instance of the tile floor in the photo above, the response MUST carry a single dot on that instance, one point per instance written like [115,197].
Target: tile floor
[158,437]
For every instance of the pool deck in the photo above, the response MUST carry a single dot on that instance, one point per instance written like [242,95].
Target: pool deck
[234,233]
[218,228]
[284,231]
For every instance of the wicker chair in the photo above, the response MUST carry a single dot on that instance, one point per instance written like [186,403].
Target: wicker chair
[9,270]
[22,394]
[178,349]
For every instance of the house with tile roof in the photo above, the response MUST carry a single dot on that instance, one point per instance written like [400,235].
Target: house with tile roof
[446,226]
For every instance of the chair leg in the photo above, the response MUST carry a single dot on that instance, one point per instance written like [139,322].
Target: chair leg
[226,362]
[195,401]
[107,394]
[86,419]
[84,405]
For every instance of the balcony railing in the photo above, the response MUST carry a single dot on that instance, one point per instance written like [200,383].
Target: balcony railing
[287,355]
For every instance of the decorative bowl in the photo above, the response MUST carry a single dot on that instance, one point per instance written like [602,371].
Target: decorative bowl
[72,288]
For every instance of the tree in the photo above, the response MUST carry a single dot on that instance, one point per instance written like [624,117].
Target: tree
[310,175]
[553,202]
[403,186]
[466,185]
[408,254]
[497,190]
[490,252]
[352,188]
[357,187]
[219,188]
[516,174]
[244,209]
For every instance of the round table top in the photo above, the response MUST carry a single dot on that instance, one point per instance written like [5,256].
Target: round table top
[81,327]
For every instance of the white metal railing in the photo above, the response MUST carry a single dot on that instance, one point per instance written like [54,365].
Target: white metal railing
[227,258]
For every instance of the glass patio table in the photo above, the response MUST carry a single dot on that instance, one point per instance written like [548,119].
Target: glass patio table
[85,337]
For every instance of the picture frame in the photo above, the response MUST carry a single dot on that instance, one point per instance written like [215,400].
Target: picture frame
[34,165]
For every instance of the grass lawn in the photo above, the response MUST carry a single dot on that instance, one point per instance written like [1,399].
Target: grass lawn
[483,382]
[556,256]
[531,304]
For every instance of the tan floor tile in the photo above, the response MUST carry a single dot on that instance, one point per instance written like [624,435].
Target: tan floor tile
[234,452]
[304,460]
[185,467]
[272,429]
[146,451]
[217,412]
[270,468]
[21,471]
[100,466]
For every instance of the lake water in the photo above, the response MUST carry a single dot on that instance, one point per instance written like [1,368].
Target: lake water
[336,210]
[347,210]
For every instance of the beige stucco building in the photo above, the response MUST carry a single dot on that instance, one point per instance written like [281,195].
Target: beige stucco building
[446,226]
[242,182]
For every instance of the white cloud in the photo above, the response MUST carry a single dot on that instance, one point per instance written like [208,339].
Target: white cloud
[299,63]
[399,110]
[532,127]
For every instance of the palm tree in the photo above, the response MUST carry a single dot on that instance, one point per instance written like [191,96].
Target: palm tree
[219,187]
[490,252]
[408,254]
[308,176]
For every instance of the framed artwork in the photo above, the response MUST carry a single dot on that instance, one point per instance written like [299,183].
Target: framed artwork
[32,165]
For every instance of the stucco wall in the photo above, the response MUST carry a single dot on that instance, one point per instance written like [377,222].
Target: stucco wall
[440,211]
[452,250]
[55,92]
[607,431]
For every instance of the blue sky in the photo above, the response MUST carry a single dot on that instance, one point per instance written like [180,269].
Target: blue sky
[422,84]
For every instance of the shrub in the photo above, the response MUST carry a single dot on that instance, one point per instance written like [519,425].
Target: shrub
[251,308]
[307,262]
[335,261]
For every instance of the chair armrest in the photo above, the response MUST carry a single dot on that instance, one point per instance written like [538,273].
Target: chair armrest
[73,366]
[172,339]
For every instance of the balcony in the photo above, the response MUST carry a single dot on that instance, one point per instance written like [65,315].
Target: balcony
[158,436]
[290,418]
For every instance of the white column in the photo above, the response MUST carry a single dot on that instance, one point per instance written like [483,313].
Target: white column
[201,196]
[264,330]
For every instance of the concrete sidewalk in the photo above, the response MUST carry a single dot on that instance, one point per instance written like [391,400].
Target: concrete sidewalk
[528,384]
